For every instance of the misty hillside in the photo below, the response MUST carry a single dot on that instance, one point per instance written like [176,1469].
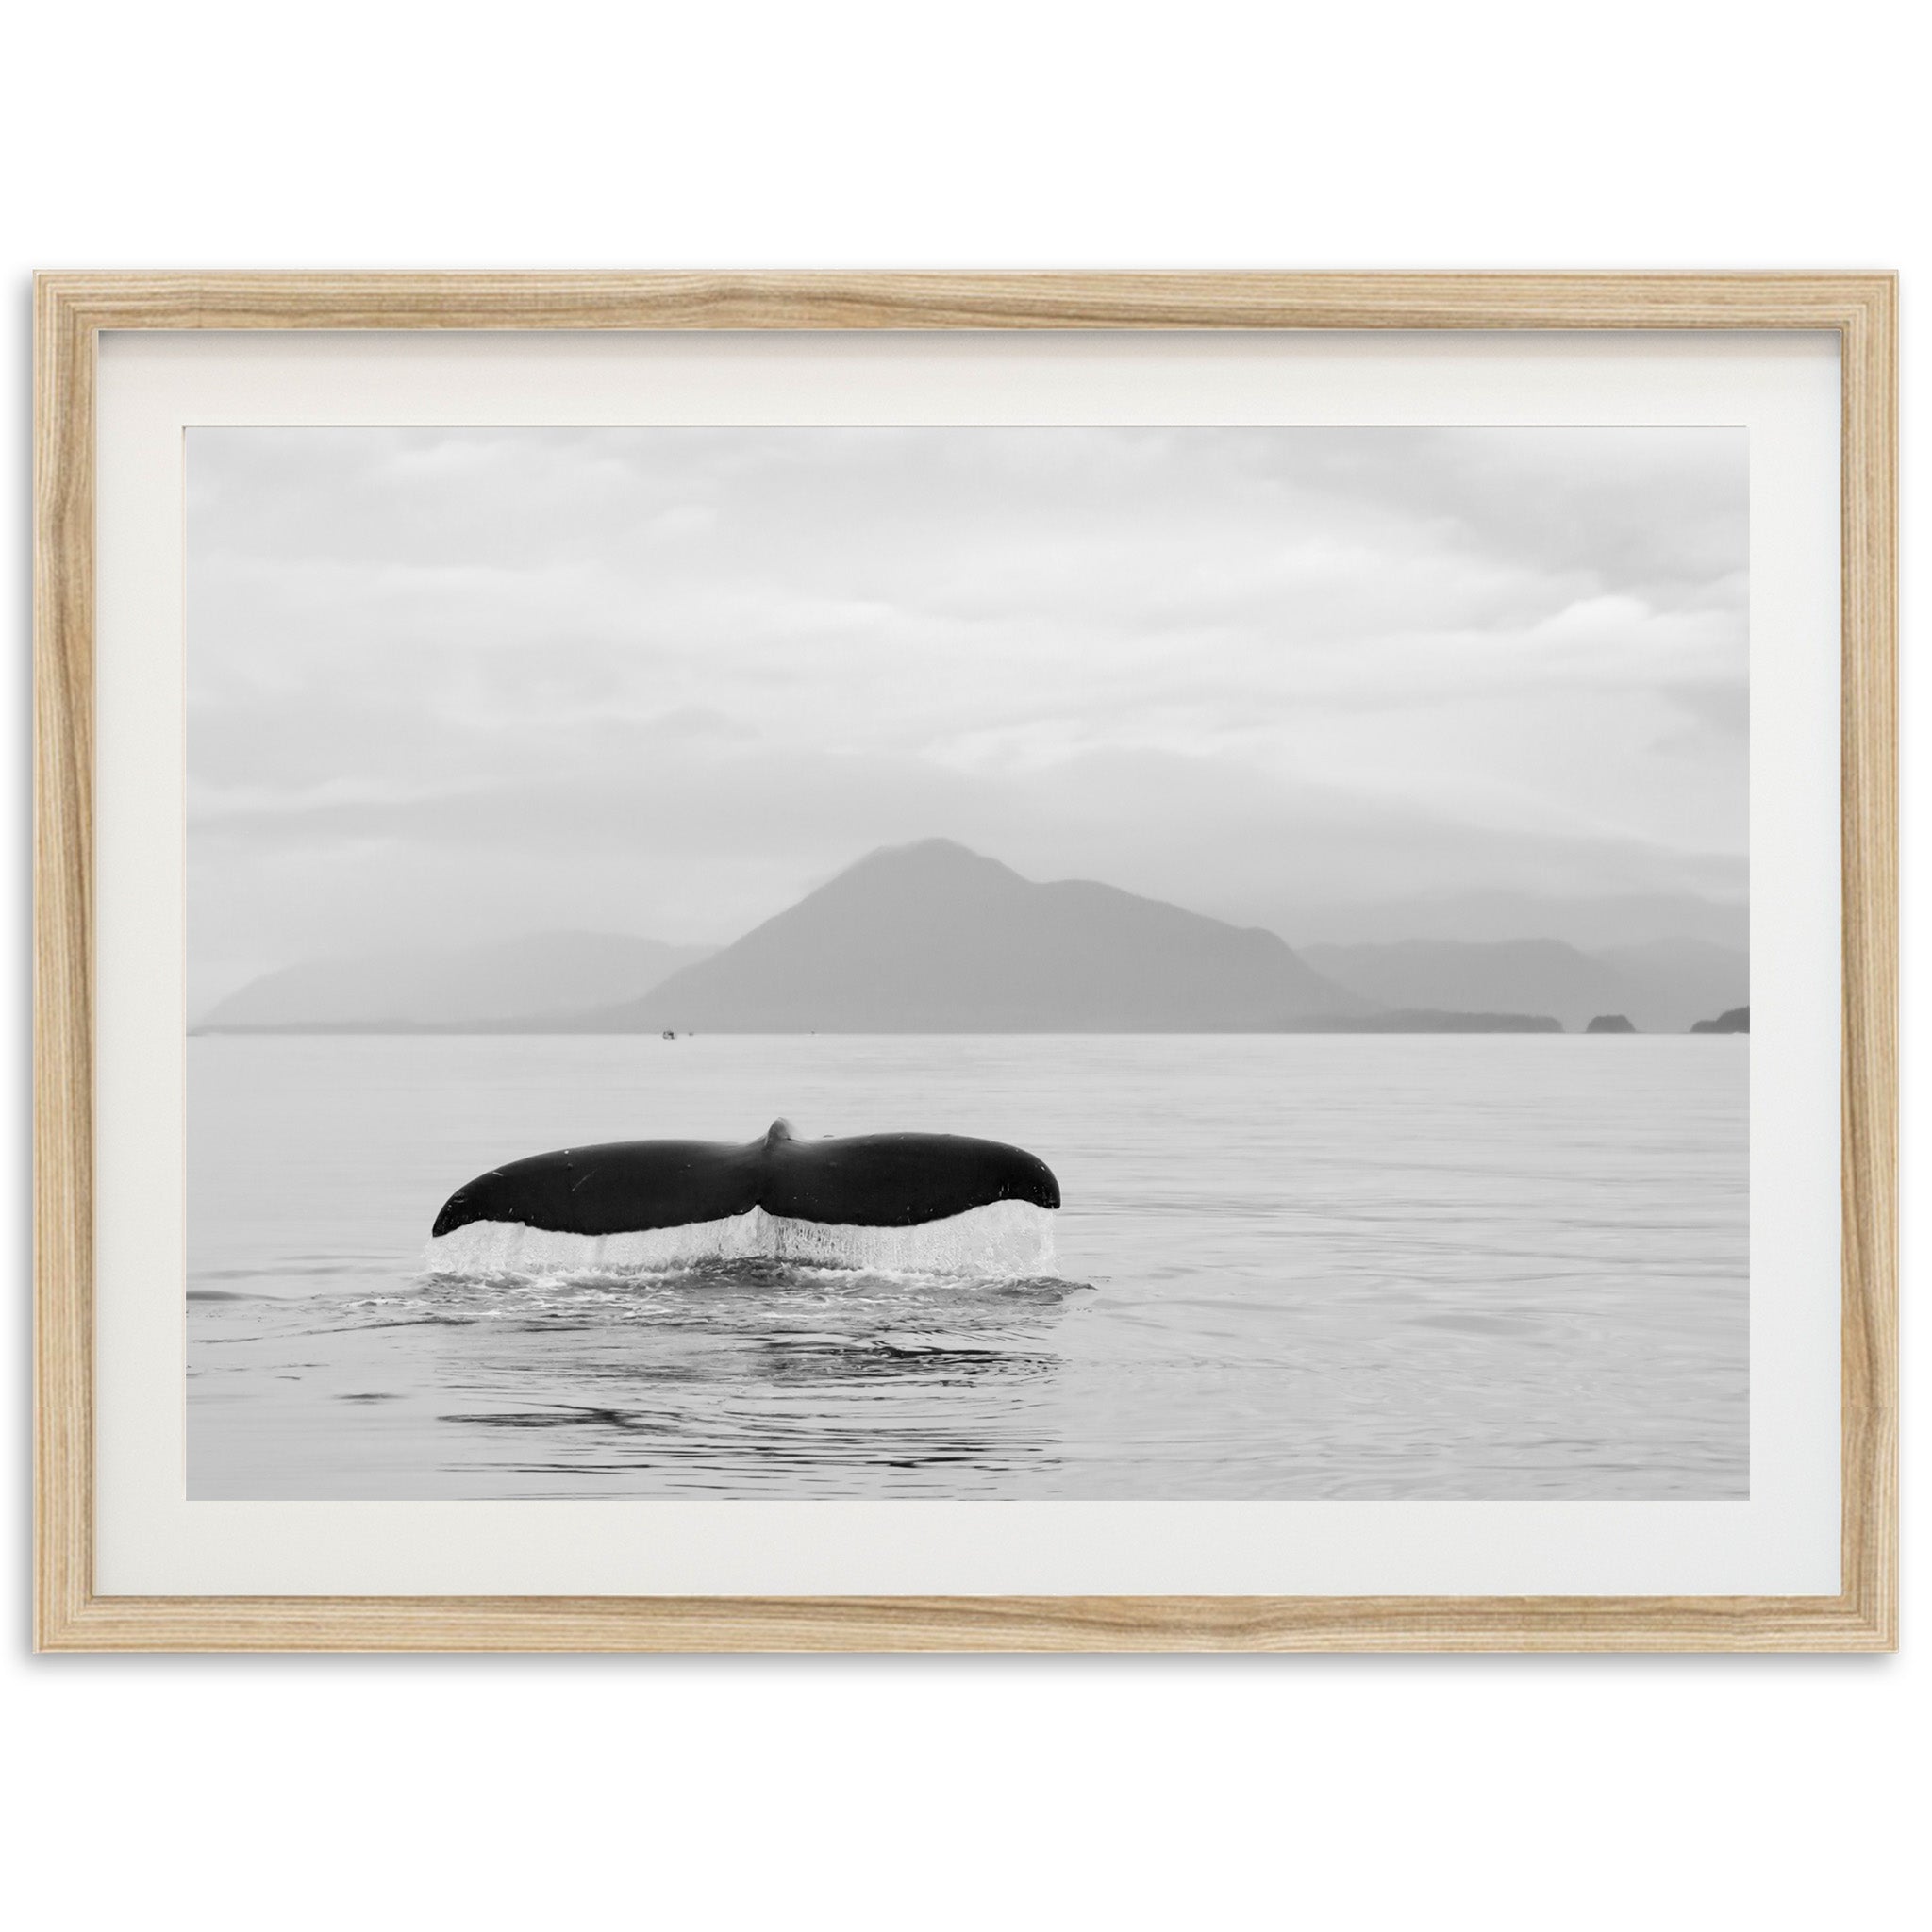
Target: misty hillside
[1662,986]
[539,976]
[1596,923]
[1690,977]
[933,937]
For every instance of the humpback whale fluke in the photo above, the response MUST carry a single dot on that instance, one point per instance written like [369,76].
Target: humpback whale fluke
[883,1199]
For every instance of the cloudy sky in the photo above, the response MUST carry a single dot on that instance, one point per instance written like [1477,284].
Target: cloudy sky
[445,684]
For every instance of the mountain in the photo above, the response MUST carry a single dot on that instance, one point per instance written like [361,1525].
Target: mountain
[1662,985]
[539,976]
[934,938]
[1513,975]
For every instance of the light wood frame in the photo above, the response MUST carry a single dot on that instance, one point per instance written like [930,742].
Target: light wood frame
[72,309]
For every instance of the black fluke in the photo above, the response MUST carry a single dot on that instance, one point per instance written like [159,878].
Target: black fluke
[870,1180]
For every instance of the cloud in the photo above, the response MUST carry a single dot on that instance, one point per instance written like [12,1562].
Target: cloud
[448,682]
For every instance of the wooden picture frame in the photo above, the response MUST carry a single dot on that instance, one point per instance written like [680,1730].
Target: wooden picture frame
[73,311]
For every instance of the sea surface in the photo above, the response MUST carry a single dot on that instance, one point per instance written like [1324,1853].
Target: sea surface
[1287,1266]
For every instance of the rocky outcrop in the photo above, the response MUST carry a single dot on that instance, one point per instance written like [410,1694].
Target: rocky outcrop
[1660,986]
[1737,1021]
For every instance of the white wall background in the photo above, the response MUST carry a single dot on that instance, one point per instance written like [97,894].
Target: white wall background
[1345,1793]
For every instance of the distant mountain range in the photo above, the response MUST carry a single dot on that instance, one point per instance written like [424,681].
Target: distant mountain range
[932,938]
[1662,986]
[1593,924]
[545,974]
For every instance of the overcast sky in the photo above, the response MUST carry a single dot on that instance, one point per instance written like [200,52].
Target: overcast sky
[451,684]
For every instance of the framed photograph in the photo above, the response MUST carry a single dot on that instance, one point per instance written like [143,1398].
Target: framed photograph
[1053,962]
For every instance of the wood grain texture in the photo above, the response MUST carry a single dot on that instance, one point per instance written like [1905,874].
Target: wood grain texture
[1869,1084]
[73,309]
[63,962]
[832,301]
[968,1624]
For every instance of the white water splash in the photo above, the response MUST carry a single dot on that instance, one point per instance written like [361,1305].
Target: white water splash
[1008,1238]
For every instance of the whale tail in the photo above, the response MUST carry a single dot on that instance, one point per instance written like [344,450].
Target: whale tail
[915,1202]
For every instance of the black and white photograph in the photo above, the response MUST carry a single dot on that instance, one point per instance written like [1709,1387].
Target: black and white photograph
[961,968]
[968,964]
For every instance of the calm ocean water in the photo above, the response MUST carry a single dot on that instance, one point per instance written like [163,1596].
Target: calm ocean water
[1290,1266]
